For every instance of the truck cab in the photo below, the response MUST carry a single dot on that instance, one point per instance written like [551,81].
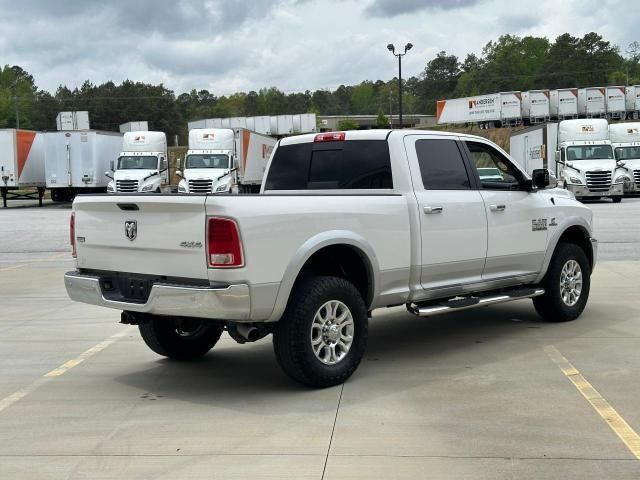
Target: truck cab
[209,161]
[142,165]
[585,160]
[625,139]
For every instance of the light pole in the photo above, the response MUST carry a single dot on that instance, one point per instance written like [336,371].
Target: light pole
[392,49]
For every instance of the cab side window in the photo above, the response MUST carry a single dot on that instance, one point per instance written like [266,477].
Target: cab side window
[494,170]
[441,165]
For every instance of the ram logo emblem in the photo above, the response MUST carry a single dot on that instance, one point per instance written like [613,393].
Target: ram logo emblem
[131,229]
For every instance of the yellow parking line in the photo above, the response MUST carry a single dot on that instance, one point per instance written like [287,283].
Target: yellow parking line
[65,367]
[38,260]
[609,414]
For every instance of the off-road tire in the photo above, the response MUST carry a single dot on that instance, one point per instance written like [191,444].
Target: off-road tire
[292,335]
[550,306]
[161,335]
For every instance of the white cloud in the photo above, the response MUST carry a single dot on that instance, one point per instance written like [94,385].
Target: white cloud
[226,46]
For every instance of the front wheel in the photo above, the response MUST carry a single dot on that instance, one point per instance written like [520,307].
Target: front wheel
[180,338]
[322,336]
[566,283]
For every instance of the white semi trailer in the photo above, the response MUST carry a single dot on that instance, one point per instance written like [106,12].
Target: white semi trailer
[536,106]
[616,103]
[481,109]
[141,126]
[21,165]
[592,102]
[563,104]
[75,161]
[632,95]
[625,138]
[142,166]
[222,160]
[534,147]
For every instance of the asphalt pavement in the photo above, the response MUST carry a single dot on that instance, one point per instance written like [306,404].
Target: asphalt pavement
[491,393]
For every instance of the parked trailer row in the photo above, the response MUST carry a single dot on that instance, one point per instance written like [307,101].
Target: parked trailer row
[540,106]
[278,125]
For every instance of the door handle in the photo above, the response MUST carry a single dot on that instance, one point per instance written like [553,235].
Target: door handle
[498,208]
[430,210]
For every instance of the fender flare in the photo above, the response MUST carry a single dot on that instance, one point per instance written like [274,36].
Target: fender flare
[314,245]
[555,238]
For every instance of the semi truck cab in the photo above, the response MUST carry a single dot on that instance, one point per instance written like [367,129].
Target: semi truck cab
[142,166]
[585,160]
[625,138]
[209,161]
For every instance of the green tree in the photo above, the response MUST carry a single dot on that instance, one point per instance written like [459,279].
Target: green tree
[347,124]
[382,121]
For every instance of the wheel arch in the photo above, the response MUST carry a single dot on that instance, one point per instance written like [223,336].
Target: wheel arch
[339,253]
[576,232]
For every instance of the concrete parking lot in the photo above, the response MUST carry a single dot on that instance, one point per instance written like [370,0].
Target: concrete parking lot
[491,393]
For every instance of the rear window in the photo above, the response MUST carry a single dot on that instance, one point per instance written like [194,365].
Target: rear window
[354,164]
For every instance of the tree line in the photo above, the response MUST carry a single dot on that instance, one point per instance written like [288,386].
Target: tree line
[508,63]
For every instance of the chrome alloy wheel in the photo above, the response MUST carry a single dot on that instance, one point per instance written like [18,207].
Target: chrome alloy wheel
[332,332]
[571,283]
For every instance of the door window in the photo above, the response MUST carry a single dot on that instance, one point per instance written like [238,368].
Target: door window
[441,165]
[494,170]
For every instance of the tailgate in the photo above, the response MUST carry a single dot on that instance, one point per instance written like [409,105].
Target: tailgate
[148,234]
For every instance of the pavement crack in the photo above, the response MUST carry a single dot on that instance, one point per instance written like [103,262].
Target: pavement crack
[333,429]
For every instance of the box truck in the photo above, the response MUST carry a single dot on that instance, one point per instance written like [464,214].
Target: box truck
[142,166]
[535,107]
[625,138]
[632,96]
[75,161]
[534,147]
[72,121]
[592,102]
[616,103]
[141,126]
[21,165]
[223,160]
[585,163]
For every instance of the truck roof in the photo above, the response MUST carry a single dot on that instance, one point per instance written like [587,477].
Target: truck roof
[624,132]
[374,134]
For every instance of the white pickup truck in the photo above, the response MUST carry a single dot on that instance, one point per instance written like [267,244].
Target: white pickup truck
[345,223]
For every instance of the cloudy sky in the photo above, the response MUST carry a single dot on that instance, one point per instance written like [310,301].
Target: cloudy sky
[230,45]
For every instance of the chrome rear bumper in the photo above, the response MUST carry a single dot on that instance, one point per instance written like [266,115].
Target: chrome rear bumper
[226,303]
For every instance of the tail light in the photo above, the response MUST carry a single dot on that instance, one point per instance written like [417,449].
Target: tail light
[72,234]
[224,248]
[330,137]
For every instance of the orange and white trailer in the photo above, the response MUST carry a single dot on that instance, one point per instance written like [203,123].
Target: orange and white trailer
[21,165]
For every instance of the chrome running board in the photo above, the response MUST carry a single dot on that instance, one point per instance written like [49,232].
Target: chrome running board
[464,303]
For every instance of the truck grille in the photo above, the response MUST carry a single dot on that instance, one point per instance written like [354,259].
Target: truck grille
[200,186]
[127,185]
[636,176]
[599,181]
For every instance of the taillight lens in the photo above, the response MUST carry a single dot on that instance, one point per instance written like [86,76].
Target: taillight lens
[72,234]
[330,137]
[224,249]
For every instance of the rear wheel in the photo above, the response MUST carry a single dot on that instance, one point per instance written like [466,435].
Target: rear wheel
[617,199]
[322,336]
[566,283]
[180,338]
